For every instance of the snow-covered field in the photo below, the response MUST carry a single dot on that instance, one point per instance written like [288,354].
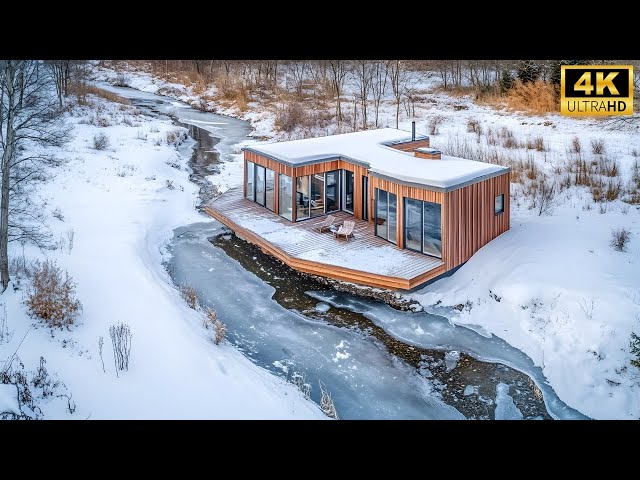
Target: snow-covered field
[551,286]
[122,204]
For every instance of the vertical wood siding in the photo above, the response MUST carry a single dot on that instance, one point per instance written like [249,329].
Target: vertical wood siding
[469,221]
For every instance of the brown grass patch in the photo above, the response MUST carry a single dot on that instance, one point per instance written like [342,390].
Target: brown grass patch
[81,90]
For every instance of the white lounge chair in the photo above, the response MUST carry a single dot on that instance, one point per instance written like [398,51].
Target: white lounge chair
[326,223]
[346,230]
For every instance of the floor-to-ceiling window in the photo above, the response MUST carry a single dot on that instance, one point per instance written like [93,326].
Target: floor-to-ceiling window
[249,182]
[316,202]
[386,215]
[302,198]
[260,188]
[365,198]
[270,190]
[432,229]
[285,197]
[332,186]
[413,224]
[348,191]
[423,227]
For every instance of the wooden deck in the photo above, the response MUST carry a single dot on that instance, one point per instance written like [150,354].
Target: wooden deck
[364,259]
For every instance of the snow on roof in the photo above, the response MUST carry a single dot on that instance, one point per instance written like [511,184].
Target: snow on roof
[371,148]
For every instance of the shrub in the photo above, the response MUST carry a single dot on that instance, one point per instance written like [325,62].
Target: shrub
[57,213]
[620,239]
[326,403]
[121,341]
[433,123]
[51,295]
[536,143]
[189,295]
[292,116]
[597,146]
[473,126]
[635,349]
[533,97]
[211,319]
[576,146]
[100,141]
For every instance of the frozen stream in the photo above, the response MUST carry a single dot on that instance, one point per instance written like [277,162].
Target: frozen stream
[377,362]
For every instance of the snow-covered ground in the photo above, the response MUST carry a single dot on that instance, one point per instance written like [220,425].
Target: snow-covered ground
[551,286]
[122,204]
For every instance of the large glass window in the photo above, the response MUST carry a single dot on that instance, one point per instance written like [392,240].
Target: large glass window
[499,204]
[270,189]
[316,202]
[333,191]
[348,191]
[423,227]
[285,197]
[365,198]
[432,229]
[393,218]
[413,224]
[381,212]
[302,197]
[260,177]
[249,182]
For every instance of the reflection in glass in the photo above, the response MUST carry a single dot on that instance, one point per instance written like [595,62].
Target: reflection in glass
[381,213]
[432,230]
[316,202]
[413,224]
[302,197]
[249,182]
[260,185]
[270,191]
[285,206]
[333,191]
[393,218]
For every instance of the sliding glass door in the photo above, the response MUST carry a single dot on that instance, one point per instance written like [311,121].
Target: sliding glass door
[332,185]
[249,182]
[317,195]
[285,197]
[260,188]
[432,229]
[270,190]
[413,224]
[386,220]
[423,227]
[348,191]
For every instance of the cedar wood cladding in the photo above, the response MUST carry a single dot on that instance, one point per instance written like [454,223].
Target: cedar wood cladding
[468,219]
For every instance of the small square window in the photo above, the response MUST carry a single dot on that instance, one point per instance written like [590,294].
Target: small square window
[499,204]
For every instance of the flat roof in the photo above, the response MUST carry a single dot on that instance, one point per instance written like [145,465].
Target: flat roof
[371,149]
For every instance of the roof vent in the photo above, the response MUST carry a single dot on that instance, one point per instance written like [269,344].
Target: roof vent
[428,153]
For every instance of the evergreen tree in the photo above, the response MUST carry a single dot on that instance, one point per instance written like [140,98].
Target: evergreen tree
[506,81]
[556,70]
[528,71]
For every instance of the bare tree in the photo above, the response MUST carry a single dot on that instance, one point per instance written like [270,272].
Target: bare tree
[363,81]
[399,77]
[298,70]
[379,78]
[29,113]
[339,70]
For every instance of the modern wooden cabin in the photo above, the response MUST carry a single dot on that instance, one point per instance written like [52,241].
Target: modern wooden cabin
[436,211]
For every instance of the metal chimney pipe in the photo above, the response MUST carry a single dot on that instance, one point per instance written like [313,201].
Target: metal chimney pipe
[413,131]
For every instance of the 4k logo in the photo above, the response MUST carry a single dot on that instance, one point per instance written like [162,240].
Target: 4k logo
[596,90]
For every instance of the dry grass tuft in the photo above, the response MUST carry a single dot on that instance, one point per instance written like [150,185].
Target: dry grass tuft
[51,295]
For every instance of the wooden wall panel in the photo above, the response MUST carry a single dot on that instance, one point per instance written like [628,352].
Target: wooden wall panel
[469,221]
[269,163]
